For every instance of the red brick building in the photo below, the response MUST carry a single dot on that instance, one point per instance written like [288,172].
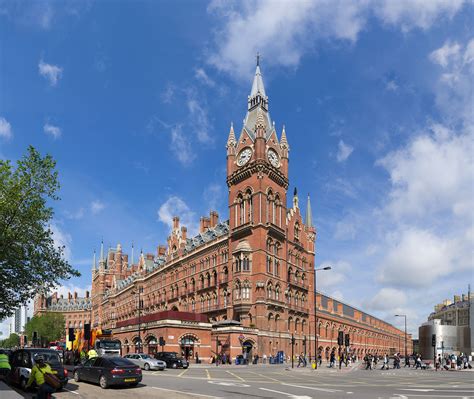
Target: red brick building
[245,284]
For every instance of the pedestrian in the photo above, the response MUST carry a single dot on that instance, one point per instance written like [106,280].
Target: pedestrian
[438,362]
[5,367]
[407,361]
[332,359]
[418,361]
[300,360]
[385,362]
[197,358]
[37,375]
[368,362]
[320,358]
[264,357]
[83,356]
[341,360]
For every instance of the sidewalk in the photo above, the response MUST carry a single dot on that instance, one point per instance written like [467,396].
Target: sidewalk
[7,393]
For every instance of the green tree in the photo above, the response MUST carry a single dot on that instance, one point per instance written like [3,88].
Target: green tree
[10,342]
[30,261]
[50,326]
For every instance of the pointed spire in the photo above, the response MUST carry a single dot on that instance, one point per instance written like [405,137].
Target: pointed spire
[309,216]
[283,140]
[295,198]
[131,263]
[260,122]
[94,263]
[257,85]
[231,141]
[101,251]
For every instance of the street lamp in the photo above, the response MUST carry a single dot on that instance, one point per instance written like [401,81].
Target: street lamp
[138,291]
[405,316]
[315,318]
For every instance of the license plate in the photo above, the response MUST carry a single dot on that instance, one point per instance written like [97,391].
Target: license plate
[130,379]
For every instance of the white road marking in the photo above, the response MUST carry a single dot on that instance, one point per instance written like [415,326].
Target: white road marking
[186,393]
[229,384]
[290,395]
[235,375]
[75,393]
[313,388]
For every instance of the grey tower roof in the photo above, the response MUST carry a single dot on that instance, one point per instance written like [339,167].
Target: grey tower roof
[257,100]
[309,216]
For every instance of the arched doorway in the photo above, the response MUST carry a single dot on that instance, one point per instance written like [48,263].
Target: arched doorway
[247,351]
[137,342]
[188,343]
[152,344]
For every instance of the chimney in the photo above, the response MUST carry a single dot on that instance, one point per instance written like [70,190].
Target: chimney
[69,295]
[214,219]
[75,295]
[175,223]
[62,296]
[87,294]
[204,224]
[184,231]
[161,250]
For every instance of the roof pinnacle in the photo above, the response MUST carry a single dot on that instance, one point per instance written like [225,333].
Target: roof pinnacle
[309,216]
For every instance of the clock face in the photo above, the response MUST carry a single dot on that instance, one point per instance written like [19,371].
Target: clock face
[244,156]
[273,158]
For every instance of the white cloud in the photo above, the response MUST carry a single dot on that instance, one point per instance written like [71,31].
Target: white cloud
[97,207]
[181,145]
[387,299]
[53,131]
[411,14]
[345,230]
[343,151]
[327,279]
[50,72]
[5,128]
[175,206]
[77,215]
[391,85]
[434,172]
[168,94]
[214,196]
[199,118]
[446,54]
[61,239]
[201,75]
[284,34]
[419,257]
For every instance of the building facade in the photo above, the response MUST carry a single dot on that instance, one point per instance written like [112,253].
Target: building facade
[452,325]
[241,285]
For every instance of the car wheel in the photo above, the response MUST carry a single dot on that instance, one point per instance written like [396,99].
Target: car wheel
[103,382]
[174,366]
[76,376]
[147,367]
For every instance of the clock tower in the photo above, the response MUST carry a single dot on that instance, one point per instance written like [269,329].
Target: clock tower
[271,249]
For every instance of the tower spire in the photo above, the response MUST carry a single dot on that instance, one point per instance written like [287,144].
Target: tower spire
[94,263]
[231,141]
[309,216]
[101,251]
[131,264]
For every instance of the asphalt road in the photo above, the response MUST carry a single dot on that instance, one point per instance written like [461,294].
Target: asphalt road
[280,383]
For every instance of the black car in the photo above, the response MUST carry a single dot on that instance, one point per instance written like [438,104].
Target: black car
[22,361]
[172,360]
[107,371]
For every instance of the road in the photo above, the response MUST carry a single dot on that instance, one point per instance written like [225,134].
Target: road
[280,383]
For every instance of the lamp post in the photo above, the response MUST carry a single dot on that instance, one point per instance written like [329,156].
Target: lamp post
[404,316]
[138,291]
[315,318]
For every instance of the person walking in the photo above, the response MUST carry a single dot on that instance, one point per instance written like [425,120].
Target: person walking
[332,360]
[418,362]
[407,361]
[37,375]
[320,358]
[5,367]
[438,362]
[385,362]
[341,360]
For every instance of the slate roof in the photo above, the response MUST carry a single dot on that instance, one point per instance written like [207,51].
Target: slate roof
[69,305]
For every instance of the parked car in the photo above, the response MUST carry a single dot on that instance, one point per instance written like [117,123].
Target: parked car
[172,360]
[107,371]
[22,361]
[146,361]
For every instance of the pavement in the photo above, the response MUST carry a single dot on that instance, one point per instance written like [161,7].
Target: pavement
[280,382]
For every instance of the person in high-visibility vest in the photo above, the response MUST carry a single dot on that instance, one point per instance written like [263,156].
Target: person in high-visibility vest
[5,367]
[37,376]
[92,353]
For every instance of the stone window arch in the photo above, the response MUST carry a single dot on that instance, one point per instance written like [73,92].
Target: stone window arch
[290,322]
[248,197]
[277,292]
[237,289]
[246,290]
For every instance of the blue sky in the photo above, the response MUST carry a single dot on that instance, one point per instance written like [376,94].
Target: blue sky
[134,100]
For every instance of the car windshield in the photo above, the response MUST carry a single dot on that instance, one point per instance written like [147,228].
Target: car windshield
[109,344]
[49,357]
[120,361]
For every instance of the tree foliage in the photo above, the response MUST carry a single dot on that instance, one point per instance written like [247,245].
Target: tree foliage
[30,261]
[11,342]
[50,326]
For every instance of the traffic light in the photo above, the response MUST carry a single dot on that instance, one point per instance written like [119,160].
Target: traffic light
[347,340]
[162,341]
[87,332]
[71,335]
[340,338]
[433,339]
